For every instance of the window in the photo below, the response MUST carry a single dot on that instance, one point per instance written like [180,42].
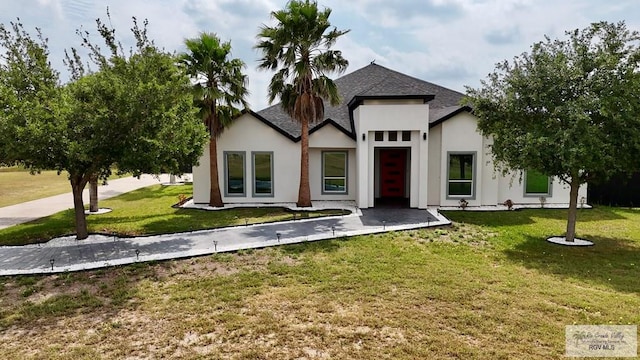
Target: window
[536,184]
[379,135]
[334,172]
[234,173]
[460,182]
[262,173]
[406,136]
[393,136]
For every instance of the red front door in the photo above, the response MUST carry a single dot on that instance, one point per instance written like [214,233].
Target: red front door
[393,164]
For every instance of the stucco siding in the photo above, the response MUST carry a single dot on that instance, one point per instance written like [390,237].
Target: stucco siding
[330,137]
[247,135]
[434,165]
[427,160]
[392,116]
[460,136]
[490,177]
[512,187]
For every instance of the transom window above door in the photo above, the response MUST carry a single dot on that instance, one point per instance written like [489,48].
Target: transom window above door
[392,135]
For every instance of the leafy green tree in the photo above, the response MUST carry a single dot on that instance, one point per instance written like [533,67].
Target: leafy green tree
[135,111]
[568,109]
[298,47]
[220,91]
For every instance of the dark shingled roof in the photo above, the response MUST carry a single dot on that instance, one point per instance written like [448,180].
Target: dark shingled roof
[370,82]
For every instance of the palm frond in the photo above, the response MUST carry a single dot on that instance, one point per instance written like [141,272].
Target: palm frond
[220,87]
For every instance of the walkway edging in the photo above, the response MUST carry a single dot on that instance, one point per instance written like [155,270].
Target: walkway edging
[205,242]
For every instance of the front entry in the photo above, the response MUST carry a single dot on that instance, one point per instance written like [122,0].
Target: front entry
[393,163]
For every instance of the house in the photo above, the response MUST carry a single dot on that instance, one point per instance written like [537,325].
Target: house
[393,138]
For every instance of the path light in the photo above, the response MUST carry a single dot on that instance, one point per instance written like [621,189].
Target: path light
[114,235]
[333,229]
[384,224]
[278,235]
[137,254]
[246,222]
[52,260]
[215,245]
[294,216]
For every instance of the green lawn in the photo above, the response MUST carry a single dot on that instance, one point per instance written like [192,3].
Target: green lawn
[488,287]
[146,211]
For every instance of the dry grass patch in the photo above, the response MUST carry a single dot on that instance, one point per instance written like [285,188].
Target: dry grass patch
[18,185]
[465,292]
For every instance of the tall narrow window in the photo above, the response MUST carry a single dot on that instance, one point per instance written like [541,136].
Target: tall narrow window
[536,184]
[334,172]
[262,173]
[461,175]
[234,173]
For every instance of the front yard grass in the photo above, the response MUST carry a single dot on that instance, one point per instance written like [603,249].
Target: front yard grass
[489,287]
[147,211]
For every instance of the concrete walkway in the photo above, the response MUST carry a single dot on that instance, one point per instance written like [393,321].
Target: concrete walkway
[68,254]
[36,209]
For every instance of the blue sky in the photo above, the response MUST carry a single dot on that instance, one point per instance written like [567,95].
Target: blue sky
[454,43]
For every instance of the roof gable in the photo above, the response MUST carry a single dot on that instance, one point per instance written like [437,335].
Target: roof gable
[370,82]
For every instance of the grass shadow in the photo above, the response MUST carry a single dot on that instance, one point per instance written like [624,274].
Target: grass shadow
[611,262]
[527,216]
[150,191]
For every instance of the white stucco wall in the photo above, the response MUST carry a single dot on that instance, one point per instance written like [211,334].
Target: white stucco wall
[427,160]
[459,134]
[490,192]
[434,165]
[330,138]
[512,187]
[392,116]
[249,134]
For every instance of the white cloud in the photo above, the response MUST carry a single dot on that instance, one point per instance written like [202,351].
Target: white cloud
[449,42]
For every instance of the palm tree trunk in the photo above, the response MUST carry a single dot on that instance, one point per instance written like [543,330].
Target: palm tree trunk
[215,198]
[77,186]
[304,192]
[93,193]
[573,209]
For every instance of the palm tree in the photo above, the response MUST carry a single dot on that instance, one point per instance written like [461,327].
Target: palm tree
[299,48]
[220,88]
